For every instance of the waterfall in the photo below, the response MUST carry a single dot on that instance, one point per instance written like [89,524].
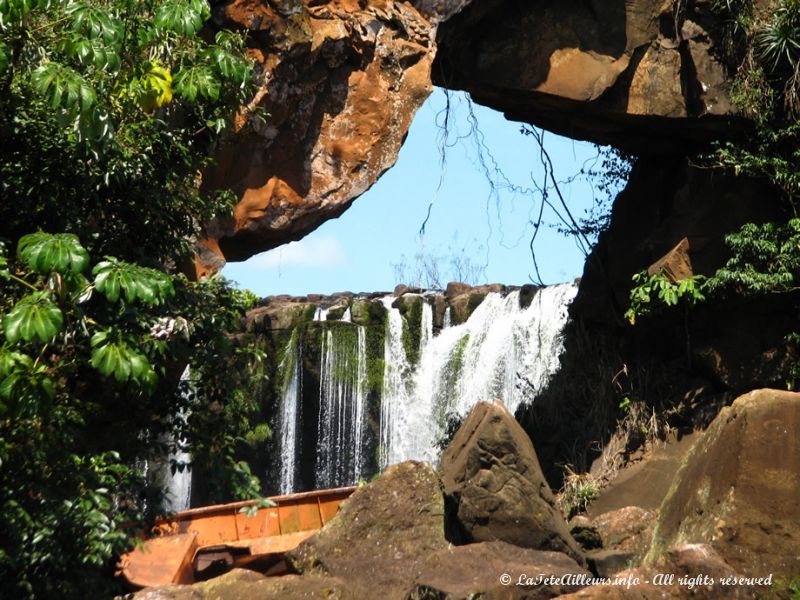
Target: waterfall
[343,374]
[426,325]
[395,392]
[448,318]
[291,367]
[500,353]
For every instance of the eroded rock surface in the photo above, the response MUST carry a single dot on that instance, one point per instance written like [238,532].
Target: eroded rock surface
[382,535]
[737,488]
[491,474]
[343,79]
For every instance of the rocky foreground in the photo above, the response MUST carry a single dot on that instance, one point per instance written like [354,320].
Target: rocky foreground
[485,525]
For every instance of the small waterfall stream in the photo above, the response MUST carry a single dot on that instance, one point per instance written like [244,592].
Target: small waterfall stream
[291,367]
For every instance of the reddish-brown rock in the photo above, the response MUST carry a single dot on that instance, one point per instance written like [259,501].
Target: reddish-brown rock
[343,79]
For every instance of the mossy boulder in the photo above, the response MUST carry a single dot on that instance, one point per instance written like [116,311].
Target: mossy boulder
[382,534]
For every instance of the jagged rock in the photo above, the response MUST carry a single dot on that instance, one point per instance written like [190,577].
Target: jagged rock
[240,584]
[382,535]
[611,72]
[675,264]
[342,82]
[474,571]
[737,488]
[688,564]
[491,473]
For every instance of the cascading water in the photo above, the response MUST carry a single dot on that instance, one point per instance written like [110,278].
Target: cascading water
[291,367]
[343,374]
[501,352]
[395,392]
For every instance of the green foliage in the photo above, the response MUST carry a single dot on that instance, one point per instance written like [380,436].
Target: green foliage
[61,253]
[765,259]
[101,146]
[578,492]
[116,104]
[651,292]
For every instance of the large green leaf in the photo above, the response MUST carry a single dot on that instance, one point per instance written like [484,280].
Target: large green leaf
[197,81]
[63,87]
[115,278]
[184,17]
[48,252]
[95,22]
[153,89]
[34,318]
[114,357]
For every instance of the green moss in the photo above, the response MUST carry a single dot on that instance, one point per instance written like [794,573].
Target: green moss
[336,313]
[376,337]
[412,328]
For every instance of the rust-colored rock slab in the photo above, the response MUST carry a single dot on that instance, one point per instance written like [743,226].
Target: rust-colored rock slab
[343,82]
[642,74]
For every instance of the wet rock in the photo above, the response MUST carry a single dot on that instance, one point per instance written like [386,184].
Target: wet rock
[382,535]
[737,488]
[607,563]
[475,571]
[240,584]
[493,478]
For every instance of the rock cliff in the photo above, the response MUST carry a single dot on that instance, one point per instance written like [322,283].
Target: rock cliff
[343,79]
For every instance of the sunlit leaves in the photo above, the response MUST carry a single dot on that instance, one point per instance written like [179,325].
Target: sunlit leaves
[45,252]
[197,81]
[154,88]
[657,290]
[183,17]
[115,357]
[94,22]
[35,318]
[116,279]
[63,87]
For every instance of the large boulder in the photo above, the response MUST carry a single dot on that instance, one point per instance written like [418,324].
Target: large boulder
[496,571]
[738,488]
[382,535]
[495,484]
[342,81]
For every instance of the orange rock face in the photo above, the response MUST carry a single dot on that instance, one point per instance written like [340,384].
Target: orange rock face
[343,80]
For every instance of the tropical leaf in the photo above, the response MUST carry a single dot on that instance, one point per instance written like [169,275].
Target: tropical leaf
[154,88]
[92,51]
[63,87]
[95,22]
[115,278]
[183,17]
[48,252]
[197,81]
[114,357]
[24,385]
[34,318]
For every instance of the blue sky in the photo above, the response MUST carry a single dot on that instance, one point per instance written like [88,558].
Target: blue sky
[488,230]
